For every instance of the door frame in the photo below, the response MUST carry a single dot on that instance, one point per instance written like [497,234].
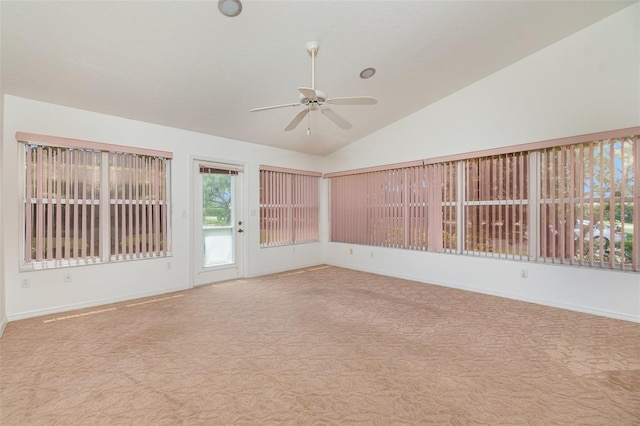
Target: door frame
[240,213]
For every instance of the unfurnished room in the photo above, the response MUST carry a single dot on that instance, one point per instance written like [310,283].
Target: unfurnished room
[319,212]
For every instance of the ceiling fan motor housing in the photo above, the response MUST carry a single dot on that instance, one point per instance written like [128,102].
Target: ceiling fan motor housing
[321,98]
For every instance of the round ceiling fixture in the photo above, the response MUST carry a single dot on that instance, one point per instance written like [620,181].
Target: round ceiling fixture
[230,8]
[367,73]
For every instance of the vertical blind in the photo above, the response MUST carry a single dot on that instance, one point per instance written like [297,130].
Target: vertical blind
[62,204]
[588,203]
[496,205]
[392,208]
[87,202]
[570,203]
[450,207]
[288,206]
[138,205]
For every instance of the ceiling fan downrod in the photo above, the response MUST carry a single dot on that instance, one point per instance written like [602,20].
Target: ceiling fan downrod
[312,48]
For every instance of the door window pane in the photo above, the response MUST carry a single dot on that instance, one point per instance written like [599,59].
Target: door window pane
[217,219]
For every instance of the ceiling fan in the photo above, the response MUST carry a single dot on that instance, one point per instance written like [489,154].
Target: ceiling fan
[313,99]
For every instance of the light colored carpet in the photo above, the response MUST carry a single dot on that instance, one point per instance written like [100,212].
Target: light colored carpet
[321,345]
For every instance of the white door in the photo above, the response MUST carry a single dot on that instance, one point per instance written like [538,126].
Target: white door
[218,223]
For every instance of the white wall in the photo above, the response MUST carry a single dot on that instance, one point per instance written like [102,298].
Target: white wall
[97,284]
[3,312]
[588,82]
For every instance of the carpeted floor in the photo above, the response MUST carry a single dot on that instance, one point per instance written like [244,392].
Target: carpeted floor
[321,345]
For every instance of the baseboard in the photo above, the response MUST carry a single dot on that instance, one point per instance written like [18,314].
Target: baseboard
[3,325]
[544,302]
[93,303]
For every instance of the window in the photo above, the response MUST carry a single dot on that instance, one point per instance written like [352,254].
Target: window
[138,205]
[288,206]
[387,208]
[88,203]
[496,205]
[587,194]
[62,204]
[559,202]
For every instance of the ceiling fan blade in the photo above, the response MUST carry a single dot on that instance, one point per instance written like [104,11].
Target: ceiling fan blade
[358,100]
[308,93]
[331,115]
[297,119]
[274,106]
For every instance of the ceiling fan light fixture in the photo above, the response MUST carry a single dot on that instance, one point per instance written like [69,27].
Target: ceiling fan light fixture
[230,8]
[367,73]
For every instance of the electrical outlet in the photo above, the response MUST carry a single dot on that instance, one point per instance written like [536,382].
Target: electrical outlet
[350,251]
[26,283]
[169,266]
[524,273]
[66,277]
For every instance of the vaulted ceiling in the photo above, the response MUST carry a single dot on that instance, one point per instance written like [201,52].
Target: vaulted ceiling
[185,65]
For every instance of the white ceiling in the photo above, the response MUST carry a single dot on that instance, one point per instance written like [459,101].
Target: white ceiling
[182,64]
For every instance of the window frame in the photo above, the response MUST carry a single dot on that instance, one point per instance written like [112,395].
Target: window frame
[104,152]
[291,197]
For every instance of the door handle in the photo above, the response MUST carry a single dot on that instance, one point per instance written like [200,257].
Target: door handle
[240,230]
